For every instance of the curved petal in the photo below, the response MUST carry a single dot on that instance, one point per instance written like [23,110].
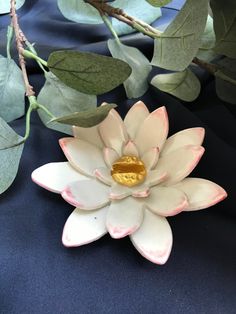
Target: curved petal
[155,177]
[110,156]
[140,191]
[153,239]
[180,163]
[150,158]
[153,131]
[87,194]
[192,136]
[90,135]
[135,117]
[113,132]
[124,217]
[118,191]
[82,155]
[83,227]
[166,201]
[104,175]
[201,193]
[130,149]
[55,176]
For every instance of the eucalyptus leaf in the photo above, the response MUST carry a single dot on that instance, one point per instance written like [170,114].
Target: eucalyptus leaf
[136,85]
[12,90]
[184,85]
[226,89]
[5,6]
[140,9]
[224,13]
[179,43]
[80,12]
[88,118]
[61,100]
[88,73]
[158,3]
[9,157]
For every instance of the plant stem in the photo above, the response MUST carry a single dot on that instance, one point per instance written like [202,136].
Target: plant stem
[10,35]
[109,25]
[46,111]
[106,9]
[19,43]
[209,67]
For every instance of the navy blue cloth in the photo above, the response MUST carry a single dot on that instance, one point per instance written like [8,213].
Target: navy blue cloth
[39,275]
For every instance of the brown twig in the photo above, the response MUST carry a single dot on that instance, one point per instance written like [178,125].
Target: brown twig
[209,67]
[19,43]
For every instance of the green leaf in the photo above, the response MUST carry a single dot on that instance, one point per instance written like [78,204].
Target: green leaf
[208,39]
[87,119]
[136,85]
[139,9]
[62,100]
[9,157]
[158,3]
[79,11]
[88,73]
[224,14]
[184,85]
[226,80]
[179,43]
[5,5]
[12,91]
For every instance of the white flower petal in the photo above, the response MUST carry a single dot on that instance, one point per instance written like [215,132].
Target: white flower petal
[124,217]
[90,135]
[55,176]
[82,155]
[87,194]
[153,239]
[155,177]
[113,132]
[83,227]
[180,163]
[135,117]
[104,175]
[153,131]
[150,158]
[192,136]
[130,149]
[140,191]
[118,191]
[201,193]
[166,201]
[110,156]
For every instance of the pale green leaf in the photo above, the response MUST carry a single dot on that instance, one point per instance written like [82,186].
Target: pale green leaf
[79,11]
[12,91]
[9,157]
[136,85]
[88,73]
[158,3]
[139,9]
[62,100]
[87,119]
[179,43]
[5,5]
[224,14]
[184,85]
[226,80]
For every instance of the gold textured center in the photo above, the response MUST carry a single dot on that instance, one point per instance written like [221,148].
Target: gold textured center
[129,171]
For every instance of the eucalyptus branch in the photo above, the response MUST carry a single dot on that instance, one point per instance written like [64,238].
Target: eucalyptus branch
[209,67]
[107,10]
[19,43]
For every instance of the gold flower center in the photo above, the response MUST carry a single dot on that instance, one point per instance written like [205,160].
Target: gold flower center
[129,171]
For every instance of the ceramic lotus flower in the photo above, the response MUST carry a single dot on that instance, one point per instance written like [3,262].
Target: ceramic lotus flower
[126,177]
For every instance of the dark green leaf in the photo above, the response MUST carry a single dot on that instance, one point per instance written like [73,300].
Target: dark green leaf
[184,85]
[136,85]
[87,119]
[88,73]
[158,3]
[5,5]
[12,90]
[179,43]
[62,100]
[224,14]
[9,157]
